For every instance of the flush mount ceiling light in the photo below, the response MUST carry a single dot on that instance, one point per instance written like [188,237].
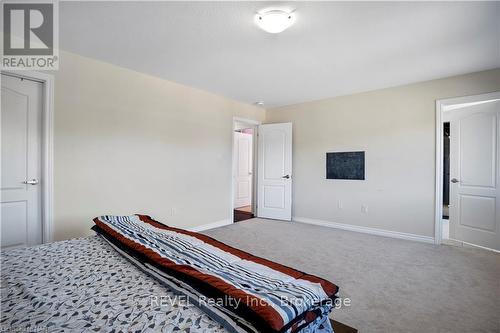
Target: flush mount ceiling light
[274,21]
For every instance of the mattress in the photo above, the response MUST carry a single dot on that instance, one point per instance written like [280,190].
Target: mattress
[84,285]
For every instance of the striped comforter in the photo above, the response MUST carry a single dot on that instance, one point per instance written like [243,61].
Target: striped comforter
[243,292]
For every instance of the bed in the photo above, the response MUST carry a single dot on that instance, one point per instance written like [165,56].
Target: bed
[96,284]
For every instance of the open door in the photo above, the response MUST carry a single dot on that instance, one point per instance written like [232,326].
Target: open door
[474,171]
[21,160]
[275,171]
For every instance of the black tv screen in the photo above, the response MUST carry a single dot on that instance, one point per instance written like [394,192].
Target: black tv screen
[345,165]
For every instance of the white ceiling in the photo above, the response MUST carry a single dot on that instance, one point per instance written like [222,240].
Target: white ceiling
[334,48]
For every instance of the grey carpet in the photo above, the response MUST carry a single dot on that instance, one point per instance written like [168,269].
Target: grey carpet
[394,285]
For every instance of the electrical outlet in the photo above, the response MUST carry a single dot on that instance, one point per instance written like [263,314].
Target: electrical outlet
[339,204]
[364,209]
[173,211]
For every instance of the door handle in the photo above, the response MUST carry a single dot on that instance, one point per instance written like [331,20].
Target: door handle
[31,182]
[286,177]
[454,180]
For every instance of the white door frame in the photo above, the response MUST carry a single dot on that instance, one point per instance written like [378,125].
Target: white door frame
[47,162]
[254,124]
[443,106]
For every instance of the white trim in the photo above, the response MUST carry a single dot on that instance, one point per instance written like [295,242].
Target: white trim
[212,225]
[438,211]
[47,182]
[365,230]
[442,106]
[255,125]
[247,121]
[451,103]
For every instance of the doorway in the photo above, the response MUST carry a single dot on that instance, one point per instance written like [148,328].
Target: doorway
[261,175]
[468,171]
[446,181]
[26,159]
[244,147]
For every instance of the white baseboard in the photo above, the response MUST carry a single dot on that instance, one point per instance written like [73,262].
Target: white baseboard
[365,230]
[212,225]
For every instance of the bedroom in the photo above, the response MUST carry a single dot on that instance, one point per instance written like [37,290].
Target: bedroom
[347,104]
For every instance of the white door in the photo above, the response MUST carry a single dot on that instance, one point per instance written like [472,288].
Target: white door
[474,174]
[275,171]
[21,162]
[243,149]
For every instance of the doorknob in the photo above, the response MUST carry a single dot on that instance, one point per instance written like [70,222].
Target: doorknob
[31,182]
[454,180]
[286,177]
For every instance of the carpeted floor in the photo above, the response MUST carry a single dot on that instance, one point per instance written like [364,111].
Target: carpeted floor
[394,285]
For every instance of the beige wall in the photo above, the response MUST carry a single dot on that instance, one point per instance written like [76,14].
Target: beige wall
[396,128]
[126,142]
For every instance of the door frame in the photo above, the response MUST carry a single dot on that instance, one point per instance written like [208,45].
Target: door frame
[254,124]
[443,106]
[47,163]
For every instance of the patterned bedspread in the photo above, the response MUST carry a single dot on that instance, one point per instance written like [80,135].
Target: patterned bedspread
[84,285]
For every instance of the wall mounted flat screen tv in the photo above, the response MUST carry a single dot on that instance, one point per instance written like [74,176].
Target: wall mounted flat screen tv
[345,165]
